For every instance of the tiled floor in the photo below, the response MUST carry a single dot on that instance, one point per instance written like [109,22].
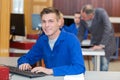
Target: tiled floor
[113,66]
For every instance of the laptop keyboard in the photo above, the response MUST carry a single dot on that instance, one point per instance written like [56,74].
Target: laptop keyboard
[15,70]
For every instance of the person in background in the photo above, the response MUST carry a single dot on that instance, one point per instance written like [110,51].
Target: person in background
[60,50]
[102,33]
[75,27]
[62,26]
[62,20]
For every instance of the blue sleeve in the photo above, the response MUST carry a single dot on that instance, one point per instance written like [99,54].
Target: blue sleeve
[72,29]
[32,56]
[77,62]
[86,34]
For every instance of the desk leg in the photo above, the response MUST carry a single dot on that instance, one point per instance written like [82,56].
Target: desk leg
[97,63]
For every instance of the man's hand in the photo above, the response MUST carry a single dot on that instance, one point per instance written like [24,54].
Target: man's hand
[97,47]
[25,66]
[42,69]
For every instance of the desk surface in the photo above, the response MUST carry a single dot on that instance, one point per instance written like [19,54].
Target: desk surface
[85,42]
[88,52]
[102,75]
[15,50]
[89,75]
[84,51]
[12,61]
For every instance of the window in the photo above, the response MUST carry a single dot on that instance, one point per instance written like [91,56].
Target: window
[18,6]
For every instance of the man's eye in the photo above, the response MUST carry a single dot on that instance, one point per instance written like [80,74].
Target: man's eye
[51,21]
[43,21]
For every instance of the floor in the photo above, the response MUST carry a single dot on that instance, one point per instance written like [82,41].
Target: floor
[113,66]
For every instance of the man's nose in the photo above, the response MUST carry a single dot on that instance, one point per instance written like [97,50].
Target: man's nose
[46,24]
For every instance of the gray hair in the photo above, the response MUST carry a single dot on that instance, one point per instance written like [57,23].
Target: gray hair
[88,9]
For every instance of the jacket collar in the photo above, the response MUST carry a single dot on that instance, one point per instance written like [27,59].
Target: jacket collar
[60,38]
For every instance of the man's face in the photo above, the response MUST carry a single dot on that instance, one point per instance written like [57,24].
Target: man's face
[77,18]
[86,17]
[50,24]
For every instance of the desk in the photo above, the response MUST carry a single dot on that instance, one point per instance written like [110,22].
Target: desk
[85,52]
[15,50]
[102,75]
[86,42]
[89,75]
[12,61]
[96,53]
[18,77]
[114,19]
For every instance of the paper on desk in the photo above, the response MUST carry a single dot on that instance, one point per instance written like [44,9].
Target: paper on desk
[74,77]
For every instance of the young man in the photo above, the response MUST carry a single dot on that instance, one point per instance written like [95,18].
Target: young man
[60,50]
[102,33]
[75,27]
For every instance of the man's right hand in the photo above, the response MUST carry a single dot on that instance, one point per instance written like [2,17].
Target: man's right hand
[25,66]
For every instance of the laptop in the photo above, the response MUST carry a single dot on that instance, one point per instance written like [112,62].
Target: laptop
[86,46]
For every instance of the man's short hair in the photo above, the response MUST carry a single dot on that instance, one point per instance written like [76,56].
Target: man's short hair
[50,10]
[88,9]
[61,15]
[77,12]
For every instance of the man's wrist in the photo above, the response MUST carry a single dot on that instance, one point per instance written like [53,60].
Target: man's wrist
[48,71]
[103,46]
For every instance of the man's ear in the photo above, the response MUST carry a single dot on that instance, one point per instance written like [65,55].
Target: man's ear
[91,15]
[59,22]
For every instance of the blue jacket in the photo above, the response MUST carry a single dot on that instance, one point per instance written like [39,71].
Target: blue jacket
[74,29]
[65,59]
